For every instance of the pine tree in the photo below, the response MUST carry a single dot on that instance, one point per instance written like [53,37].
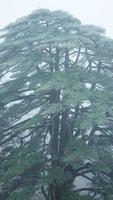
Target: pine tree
[55,107]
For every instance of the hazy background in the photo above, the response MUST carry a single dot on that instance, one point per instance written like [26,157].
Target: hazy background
[98,12]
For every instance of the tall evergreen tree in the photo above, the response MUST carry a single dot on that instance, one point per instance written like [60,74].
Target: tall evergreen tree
[56,107]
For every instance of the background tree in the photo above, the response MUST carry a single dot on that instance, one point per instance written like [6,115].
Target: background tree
[56,106]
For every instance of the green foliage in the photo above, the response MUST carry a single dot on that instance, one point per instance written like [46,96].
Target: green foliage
[77,152]
[20,160]
[56,174]
[22,193]
[56,106]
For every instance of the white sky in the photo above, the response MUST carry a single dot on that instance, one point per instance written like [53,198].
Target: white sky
[98,12]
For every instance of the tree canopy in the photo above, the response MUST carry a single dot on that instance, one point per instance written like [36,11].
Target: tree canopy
[56,108]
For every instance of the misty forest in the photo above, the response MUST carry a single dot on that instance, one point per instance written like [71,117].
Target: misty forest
[56,109]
